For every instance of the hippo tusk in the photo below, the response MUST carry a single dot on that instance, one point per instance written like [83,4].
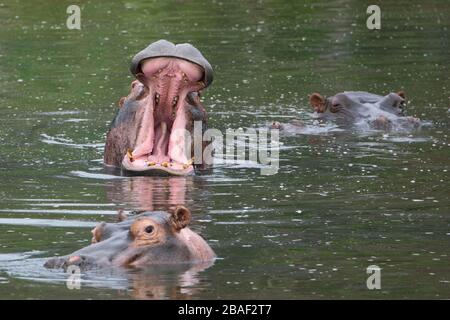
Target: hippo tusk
[130,155]
[188,164]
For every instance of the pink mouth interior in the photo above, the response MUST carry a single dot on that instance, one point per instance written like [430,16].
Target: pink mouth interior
[161,141]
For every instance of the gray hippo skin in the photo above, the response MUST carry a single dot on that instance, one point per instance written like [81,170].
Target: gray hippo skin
[149,238]
[350,102]
[146,135]
[353,106]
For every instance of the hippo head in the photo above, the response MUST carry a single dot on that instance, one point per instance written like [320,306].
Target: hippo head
[149,238]
[346,101]
[332,104]
[149,131]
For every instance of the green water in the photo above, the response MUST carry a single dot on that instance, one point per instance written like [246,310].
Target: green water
[340,202]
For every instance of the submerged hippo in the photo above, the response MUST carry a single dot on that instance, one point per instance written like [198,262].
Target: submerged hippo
[149,238]
[292,125]
[379,112]
[149,131]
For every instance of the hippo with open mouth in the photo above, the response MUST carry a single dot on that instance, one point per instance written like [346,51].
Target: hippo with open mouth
[149,238]
[149,131]
[379,112]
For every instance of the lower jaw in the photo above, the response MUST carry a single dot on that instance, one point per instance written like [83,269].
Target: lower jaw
[143,167]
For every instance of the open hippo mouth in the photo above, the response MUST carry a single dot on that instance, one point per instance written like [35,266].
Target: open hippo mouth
[152,131]
[162,139]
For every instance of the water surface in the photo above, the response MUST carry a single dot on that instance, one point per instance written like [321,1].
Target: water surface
[341,201]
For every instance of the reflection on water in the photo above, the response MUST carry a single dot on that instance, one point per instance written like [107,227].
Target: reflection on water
[160,282]
[150,193]
[341,201]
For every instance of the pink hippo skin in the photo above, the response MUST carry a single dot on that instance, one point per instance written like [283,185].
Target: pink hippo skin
[161,138]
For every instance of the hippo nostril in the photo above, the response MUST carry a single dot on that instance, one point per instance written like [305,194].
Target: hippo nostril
[73,261]
[55,263]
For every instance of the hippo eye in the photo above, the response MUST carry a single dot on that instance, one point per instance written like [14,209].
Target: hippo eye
[149,229]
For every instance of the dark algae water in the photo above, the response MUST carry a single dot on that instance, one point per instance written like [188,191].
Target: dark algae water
[341,201]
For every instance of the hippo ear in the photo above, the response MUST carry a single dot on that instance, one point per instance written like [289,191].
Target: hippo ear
[122,101]
[402,94]
[121,215]
[180,217]
[97,232]
[317,101]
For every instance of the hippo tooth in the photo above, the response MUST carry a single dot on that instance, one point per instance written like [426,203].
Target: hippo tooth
[189,163]
[157,98]
[165,164]
[151,163]
[175,101]
[130,155]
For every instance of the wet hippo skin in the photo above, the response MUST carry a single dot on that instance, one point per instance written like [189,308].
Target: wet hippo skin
[381,112]
[149,238]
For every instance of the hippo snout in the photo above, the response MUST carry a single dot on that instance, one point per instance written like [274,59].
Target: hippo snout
[55,263]
[82,262]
